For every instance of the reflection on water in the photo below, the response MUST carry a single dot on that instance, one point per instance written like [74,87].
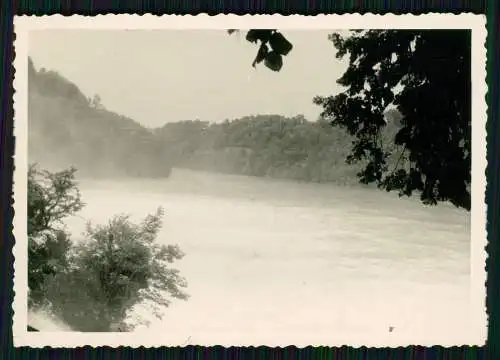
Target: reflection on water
[276,262]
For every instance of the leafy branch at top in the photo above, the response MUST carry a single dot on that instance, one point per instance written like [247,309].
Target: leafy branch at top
[273,46]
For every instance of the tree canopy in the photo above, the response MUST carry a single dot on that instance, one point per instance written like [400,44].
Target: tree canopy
[51,198]
[426,76]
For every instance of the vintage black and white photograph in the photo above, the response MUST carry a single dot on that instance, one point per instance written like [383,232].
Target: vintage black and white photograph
[250,180]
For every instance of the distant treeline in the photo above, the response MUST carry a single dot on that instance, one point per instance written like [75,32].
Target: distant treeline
[272,146]
[67,128]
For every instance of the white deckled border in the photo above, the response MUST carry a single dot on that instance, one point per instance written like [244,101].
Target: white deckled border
[24,24]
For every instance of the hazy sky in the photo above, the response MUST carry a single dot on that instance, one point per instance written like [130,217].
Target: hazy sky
[170,75]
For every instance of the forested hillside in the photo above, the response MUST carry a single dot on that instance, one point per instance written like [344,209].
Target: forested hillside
[68,128]
[269,145]
[264,145]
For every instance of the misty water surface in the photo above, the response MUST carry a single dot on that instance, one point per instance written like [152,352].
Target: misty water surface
[276,262]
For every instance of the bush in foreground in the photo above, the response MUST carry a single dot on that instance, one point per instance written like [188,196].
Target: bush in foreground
[94,284]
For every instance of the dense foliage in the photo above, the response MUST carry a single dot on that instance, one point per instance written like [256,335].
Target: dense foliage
[263,145]
[426,76]
[434,70]
[51,198]
[93,284]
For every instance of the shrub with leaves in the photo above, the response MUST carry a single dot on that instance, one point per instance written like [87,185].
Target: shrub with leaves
[93,284]
[119,265]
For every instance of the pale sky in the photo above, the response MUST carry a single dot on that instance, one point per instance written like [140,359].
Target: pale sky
[160,76]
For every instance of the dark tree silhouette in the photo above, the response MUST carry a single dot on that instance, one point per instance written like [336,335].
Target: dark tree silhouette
[426,76]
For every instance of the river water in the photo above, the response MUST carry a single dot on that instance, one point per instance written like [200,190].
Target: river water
[278,263]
